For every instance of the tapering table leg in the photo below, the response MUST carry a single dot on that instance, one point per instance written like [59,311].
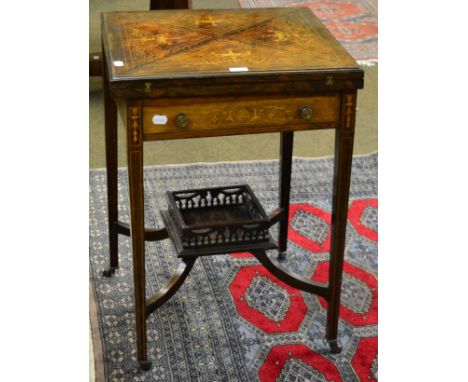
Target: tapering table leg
[110,118]
[137,226]
[286,150]
[344,138]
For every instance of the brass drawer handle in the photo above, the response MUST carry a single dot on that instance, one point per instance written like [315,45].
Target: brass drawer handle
[182,121]
[305,112]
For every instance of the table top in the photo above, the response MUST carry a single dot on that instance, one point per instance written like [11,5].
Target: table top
[245,43]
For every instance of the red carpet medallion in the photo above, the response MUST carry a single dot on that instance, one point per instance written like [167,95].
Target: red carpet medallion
[232,320]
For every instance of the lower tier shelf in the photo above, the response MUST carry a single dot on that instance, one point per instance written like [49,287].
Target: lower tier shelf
[217,220]
[214,249]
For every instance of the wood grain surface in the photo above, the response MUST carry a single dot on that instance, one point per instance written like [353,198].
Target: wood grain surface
[233,116]
[234,43]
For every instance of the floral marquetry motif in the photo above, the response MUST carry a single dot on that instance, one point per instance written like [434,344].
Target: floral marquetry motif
[134,123]
[214,41]
[350,104]
[245,115]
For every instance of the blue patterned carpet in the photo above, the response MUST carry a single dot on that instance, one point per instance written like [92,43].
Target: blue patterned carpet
[231,320]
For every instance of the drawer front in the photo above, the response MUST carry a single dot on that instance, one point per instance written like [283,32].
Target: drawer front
[246,116]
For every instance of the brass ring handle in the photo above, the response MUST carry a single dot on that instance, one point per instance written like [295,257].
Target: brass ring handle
[305,112]
[182,121]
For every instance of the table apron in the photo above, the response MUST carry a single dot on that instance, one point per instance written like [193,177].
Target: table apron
[191,118]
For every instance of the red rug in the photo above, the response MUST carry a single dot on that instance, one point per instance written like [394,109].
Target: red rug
[352,22]
[232,320]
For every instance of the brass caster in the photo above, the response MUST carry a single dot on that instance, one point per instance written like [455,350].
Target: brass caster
[108,272]
[335,346]
[145,365]
[281,256]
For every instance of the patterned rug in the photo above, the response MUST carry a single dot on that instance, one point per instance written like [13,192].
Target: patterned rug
[232,320]
[352,22]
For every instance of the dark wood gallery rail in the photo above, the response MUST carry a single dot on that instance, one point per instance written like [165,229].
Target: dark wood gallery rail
[199,73]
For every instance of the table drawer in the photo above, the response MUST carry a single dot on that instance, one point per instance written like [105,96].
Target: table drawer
[246,116]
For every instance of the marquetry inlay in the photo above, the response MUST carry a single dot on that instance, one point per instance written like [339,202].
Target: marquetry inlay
[349,111]
[249,115]
[184,43]
[135,123]
[148,88]
[245,116]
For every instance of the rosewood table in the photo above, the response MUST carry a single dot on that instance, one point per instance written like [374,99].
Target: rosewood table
[202,73]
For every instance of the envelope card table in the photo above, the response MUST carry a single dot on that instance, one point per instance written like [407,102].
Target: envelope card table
[180,74]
